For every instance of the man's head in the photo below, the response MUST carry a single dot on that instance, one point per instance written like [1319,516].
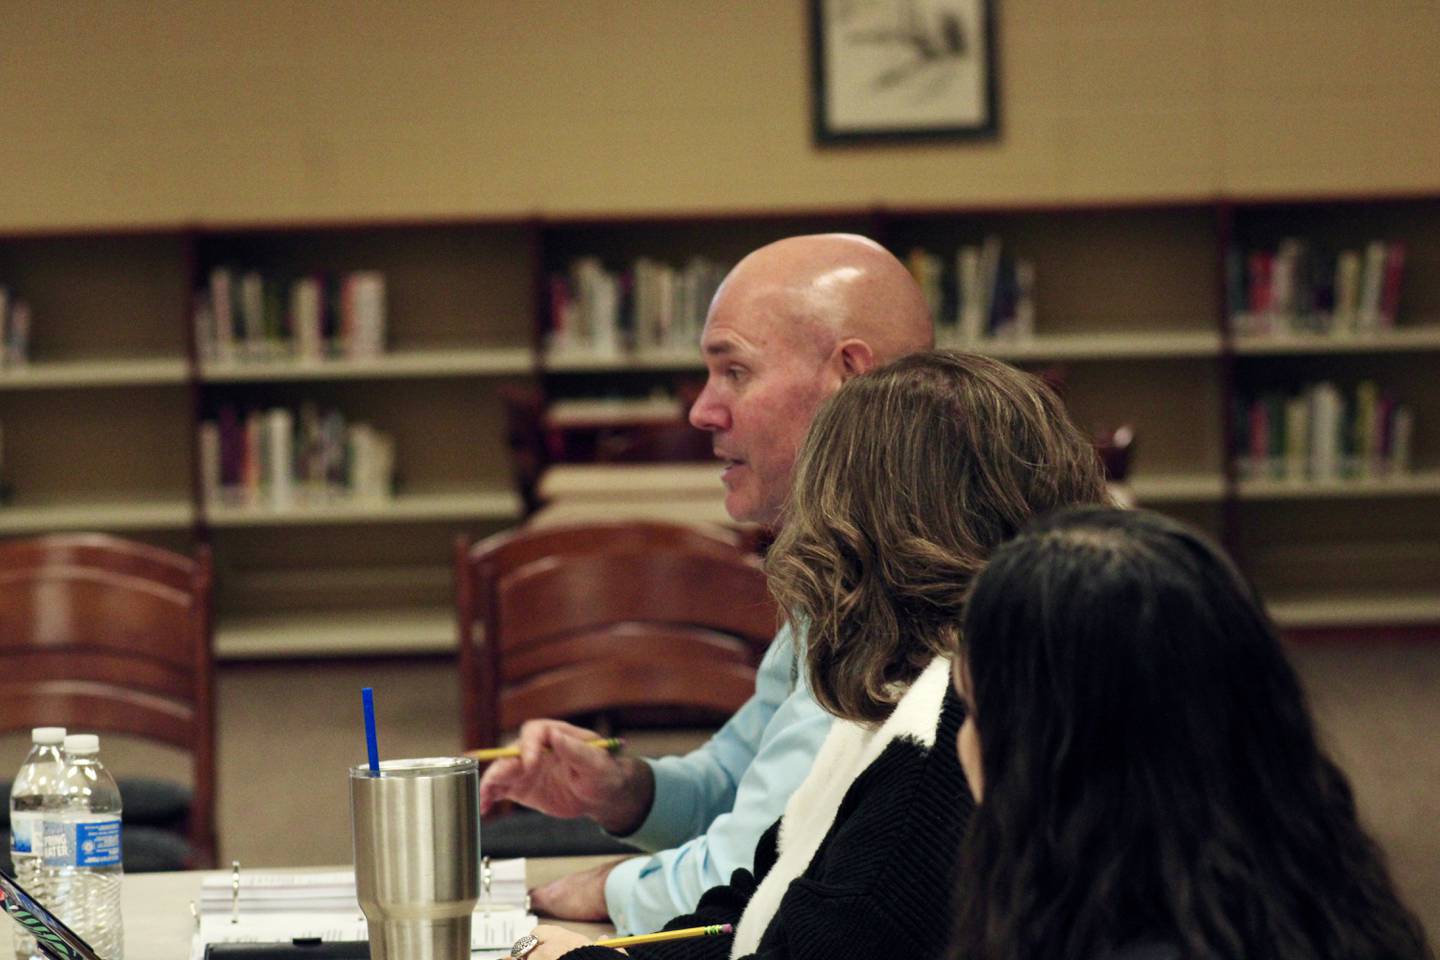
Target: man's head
[792,322]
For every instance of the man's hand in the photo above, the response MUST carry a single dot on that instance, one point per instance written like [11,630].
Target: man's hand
[559,773]
[555,942]
[579,896]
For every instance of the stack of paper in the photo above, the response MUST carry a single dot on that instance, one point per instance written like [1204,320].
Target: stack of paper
[280,907]
[502,885]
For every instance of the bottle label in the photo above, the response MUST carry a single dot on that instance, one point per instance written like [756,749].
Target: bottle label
[23,827]
[92,842]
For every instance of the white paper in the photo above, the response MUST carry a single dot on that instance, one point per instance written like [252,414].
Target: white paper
[279,907]
[494,931]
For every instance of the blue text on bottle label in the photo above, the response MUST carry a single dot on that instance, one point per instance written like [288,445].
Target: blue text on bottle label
[82,843]
[22,829]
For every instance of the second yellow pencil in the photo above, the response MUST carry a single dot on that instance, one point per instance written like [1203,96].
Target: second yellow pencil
[714,930]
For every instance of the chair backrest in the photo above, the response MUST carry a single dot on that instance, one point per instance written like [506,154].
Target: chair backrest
[109,635]
[584,619]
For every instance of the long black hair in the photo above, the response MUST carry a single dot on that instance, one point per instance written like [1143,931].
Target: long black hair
[1151,770]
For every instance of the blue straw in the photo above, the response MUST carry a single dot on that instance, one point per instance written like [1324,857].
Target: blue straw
[367,697]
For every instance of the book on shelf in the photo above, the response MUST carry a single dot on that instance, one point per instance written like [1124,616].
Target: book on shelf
[656,314]
[928,269]
[970,316]
[985,294]
[1321,433]
[247,317]
[1394,272]
[276,458]
[648,307]
[1372,282]
[362,314]
[1302,289]
[14,330]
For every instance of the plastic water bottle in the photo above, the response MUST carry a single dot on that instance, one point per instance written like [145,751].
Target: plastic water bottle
[36,793]
[81,855]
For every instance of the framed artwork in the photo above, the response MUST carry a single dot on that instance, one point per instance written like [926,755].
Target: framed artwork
[903,69]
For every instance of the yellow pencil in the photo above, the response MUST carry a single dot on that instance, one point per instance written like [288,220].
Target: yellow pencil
[714,930]
[496,753]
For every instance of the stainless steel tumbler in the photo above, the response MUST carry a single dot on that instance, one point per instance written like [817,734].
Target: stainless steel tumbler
[416,831]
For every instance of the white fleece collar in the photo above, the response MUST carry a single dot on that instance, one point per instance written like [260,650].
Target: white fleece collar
[848,750]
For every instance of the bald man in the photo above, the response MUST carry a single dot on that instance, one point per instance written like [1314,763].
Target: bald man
[791,323]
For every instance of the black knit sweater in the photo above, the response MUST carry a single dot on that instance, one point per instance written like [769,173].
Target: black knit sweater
[881,883]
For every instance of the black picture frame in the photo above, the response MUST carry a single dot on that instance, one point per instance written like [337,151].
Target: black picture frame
[903,70]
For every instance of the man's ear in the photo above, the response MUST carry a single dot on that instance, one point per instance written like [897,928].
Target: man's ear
[856,357]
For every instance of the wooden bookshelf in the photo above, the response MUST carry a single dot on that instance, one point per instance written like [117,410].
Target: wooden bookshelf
[80,373]
[99,427]
[1157,489]
[1411,339]
[1100,346]
[96,423]
[473,504]
[411,364]
[580,362]
[1356,553]
[351,576]
[138,514]
[1341,610]
[355,633]
[1410,484]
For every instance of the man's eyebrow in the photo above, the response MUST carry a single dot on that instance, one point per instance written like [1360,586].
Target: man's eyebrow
[720,348]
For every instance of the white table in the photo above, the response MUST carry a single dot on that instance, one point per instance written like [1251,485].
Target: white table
[159,924]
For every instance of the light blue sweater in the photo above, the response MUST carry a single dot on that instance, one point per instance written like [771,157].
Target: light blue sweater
[712,805]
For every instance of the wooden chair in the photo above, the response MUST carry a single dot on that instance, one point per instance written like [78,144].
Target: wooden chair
[104,634]
[579,620]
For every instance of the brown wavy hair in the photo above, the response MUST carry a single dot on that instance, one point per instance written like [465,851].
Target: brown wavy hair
[910,475]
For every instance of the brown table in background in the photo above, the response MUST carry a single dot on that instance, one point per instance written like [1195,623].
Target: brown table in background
[677,492]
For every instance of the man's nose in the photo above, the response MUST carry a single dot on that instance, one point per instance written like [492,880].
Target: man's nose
[707,414]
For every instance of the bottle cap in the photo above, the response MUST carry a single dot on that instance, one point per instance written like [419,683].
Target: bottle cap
[82,743]
[48,736]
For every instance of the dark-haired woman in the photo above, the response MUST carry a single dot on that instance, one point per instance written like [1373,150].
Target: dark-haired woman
[1149,778]
[909,477]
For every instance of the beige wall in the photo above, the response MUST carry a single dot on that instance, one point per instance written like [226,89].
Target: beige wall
[123,112]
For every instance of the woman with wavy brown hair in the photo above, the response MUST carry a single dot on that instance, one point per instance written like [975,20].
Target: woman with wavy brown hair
[909,477]
[1150,780]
